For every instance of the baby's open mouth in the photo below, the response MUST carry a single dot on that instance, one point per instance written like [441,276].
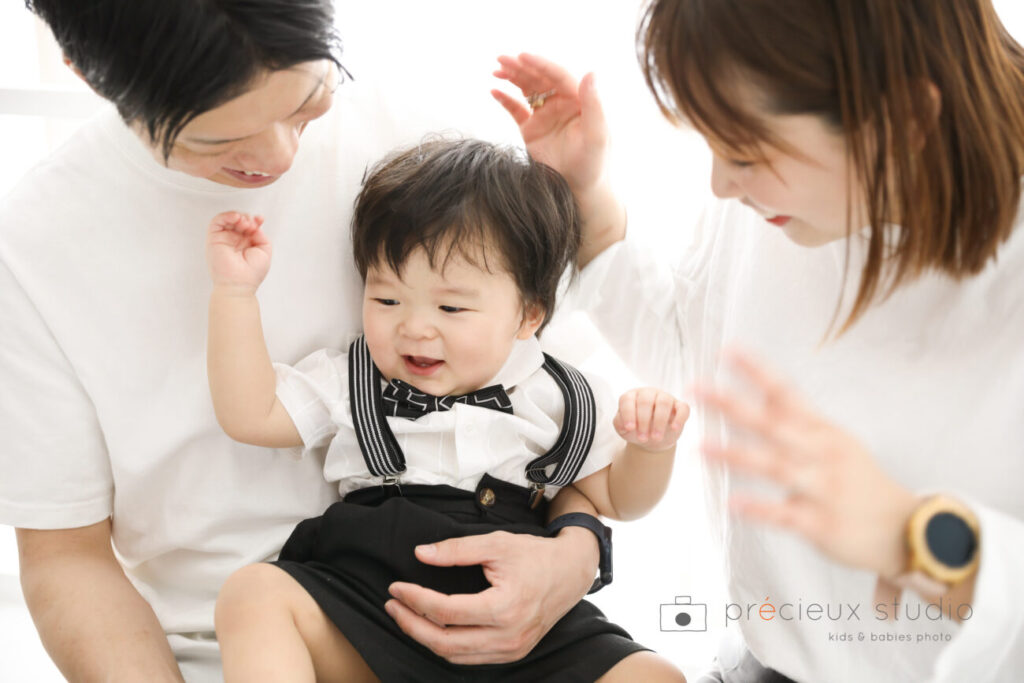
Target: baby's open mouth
[421,365]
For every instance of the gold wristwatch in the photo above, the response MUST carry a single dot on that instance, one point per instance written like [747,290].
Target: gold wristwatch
[943,547]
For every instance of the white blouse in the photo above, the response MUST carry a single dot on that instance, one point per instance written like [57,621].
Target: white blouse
[454,447]
[931,380]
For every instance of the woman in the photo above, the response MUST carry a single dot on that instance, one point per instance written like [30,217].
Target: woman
[868,155]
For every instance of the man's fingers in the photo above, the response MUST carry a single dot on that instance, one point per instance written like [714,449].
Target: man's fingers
[458,644]
[465,551]
[459,609]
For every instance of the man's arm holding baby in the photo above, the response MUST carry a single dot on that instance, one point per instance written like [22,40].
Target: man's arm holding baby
[93,623]
[242,379]
[650,421]
[536,580]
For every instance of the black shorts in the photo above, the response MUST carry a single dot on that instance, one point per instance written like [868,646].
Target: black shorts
[347,558]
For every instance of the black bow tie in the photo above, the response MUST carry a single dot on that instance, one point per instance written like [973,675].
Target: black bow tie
[402,399]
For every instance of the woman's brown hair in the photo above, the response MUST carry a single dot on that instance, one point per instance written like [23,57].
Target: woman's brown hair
[949,171]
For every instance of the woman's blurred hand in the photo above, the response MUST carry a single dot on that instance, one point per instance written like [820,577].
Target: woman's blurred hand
[839,498]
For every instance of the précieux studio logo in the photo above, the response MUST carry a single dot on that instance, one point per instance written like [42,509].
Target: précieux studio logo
[801,610]
[685,615]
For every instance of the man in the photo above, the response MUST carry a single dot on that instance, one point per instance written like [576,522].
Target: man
[131,505]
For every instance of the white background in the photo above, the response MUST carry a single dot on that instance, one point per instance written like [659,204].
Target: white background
[440,54]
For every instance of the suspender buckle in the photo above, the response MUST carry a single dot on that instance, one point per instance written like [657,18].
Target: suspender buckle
[390,480]
[536,495]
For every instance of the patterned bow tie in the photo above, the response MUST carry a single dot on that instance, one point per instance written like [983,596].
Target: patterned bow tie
[402,399]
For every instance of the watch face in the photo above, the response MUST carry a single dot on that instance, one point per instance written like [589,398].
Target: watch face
[950,540]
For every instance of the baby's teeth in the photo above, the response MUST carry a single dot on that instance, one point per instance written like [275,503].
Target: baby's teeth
[255,173]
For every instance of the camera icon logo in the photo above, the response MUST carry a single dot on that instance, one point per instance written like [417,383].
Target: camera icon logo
[683,615]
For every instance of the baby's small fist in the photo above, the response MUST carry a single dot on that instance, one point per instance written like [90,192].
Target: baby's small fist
[235,221]
[650,418]
[237,251]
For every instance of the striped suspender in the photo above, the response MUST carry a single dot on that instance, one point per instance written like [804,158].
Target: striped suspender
[376,440]
[560,465]
[384,458]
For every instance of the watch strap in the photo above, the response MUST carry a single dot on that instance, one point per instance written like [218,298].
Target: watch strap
[604,542]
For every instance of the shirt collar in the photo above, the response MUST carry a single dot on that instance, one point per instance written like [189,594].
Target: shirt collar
[525,359]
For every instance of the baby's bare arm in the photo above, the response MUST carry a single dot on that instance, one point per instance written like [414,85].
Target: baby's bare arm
[651,421]
[243,384]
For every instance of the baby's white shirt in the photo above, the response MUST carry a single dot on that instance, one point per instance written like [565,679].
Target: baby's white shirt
[454,447]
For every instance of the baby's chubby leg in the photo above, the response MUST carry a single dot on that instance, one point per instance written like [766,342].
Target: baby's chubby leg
[270,629]
[643,666]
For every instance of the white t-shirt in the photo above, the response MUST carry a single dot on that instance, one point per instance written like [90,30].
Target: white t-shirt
[454,447]
[931,380]
[105,409]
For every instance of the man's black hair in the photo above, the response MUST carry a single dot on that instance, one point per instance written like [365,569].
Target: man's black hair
[463,196]
[164,62]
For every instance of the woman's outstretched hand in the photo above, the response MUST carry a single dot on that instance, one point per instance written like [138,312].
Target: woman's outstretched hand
[567,131]
[565,128]
[839,498]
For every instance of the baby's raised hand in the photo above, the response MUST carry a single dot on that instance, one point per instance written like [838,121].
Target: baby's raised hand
[237,251]
[650,418]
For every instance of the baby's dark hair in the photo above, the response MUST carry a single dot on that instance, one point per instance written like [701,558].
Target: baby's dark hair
[458,196]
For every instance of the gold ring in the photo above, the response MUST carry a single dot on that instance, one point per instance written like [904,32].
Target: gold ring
[536,100]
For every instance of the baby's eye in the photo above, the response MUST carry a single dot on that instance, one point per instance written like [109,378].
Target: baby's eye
[387,302]
[741,163]
[451,309]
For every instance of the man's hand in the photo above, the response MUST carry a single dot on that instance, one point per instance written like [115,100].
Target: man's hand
[534,582]
[237,251]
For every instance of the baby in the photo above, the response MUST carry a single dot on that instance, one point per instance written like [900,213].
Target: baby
[444,419]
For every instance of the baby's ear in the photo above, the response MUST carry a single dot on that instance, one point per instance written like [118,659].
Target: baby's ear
[533,318]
